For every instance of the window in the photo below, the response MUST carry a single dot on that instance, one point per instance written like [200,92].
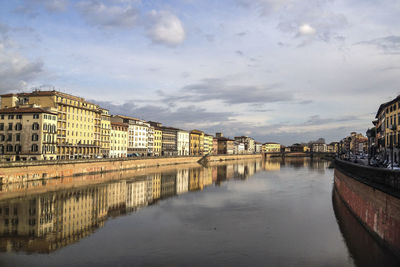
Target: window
[18,127]
[35,126]
[2,126]
[36,116]
[35,137]
[18,137]
[34,148]
[19,116]
[10,126]
[10,117]
[9,148]
[45,126]
[2,117]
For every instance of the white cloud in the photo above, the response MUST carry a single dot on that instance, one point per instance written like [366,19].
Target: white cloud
[166,28]
[306,29]
[15,70]
[98,14]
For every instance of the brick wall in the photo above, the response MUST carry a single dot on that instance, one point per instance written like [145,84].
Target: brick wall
[378,211]
[37,171]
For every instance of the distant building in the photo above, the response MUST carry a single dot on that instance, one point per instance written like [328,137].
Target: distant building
[318,147]
[196,142]
[272,147]
[258,147]
[249,143]
[208,143]
[169,141]
[183,142]
[225,146]
[105,138]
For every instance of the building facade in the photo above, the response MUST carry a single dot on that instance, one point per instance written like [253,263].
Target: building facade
[28,133]
[208,144]
[119,140]
[78,121]
[105,133]
[183,142]
[272,147]
[196,143]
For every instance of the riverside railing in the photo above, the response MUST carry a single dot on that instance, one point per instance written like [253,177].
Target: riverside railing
[383,179]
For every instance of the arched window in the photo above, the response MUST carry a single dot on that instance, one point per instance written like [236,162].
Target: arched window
[18,127]
[44,127]
[35,126]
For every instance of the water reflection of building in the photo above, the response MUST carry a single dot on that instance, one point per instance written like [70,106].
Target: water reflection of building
[195,179]
[168,184]
[182,181]
[272,165]
[156,185]
[48,221]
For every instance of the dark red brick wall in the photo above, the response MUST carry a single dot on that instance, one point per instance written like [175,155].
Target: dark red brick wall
[378,211]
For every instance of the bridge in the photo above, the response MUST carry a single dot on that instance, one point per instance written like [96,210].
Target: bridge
[299,154]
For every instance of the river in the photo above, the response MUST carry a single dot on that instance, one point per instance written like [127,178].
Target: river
[246,213]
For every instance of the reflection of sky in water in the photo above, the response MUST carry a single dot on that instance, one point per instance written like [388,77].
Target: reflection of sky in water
[251,216]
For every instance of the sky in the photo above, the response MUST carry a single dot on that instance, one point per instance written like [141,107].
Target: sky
[278,70]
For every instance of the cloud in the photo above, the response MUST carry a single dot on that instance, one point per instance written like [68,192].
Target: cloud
[108,16]
[15,70]
[389,44]
[165,28]
[54,5]
[219,89]
[183,117]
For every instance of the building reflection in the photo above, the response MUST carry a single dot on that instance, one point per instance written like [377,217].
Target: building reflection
[45,222]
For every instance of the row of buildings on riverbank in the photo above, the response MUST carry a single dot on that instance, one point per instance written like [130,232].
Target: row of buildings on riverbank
[50,125]
[384,136]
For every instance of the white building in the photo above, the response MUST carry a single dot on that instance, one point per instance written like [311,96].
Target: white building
[238,148]
[258,147]
[137,134]
[183,143]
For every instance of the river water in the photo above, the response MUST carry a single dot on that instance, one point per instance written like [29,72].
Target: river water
[247,213]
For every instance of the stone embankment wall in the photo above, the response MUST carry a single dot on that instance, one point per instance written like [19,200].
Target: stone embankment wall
[29,171]
[376,206]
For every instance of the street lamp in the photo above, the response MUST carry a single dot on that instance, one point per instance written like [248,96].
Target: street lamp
[393,127]
[369,146]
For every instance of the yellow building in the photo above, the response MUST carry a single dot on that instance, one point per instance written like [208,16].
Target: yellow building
[28,133]
[79,121]
[196,143]
[272,147]
[118,140]
[208,144]
[105,133]
[157,143]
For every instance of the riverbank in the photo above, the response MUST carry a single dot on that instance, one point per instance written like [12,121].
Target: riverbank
[34,171]
[372,195]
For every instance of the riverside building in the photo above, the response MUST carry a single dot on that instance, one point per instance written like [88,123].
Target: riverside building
[196,143]
[28,133]
[105,133]
[137,134]
[119,140]
[78,121]
[183,143]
